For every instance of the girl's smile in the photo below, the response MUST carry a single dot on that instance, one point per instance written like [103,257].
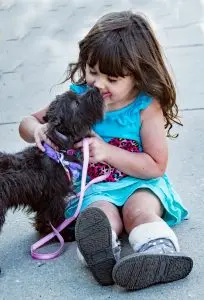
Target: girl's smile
[106,95]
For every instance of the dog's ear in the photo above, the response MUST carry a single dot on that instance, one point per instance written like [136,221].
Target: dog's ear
[61,116]
[59,108]
[51,115]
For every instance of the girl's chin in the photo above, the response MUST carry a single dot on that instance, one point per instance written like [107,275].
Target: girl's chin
[108,102]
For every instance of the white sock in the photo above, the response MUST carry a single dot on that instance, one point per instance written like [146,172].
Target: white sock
[147,232]
[115,243]
[81,258]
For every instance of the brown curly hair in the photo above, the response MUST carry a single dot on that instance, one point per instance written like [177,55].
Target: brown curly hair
[123,43]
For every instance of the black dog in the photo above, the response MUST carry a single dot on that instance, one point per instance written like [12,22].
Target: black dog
[32,180]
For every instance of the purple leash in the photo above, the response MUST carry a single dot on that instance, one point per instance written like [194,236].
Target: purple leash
[56,231]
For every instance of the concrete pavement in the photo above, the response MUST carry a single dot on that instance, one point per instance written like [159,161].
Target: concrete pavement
[37,40]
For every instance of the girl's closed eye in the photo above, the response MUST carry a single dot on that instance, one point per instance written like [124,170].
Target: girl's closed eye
[92,72]
[112,80]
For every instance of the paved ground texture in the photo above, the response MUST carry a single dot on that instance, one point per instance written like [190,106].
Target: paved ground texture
[37,40]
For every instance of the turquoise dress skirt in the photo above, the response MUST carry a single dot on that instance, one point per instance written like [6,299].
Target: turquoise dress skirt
[125,123]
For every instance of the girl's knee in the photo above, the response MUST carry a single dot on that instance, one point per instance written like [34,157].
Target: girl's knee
[133,218]
[142,207]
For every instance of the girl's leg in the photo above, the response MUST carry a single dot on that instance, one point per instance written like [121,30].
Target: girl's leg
[112,213]
[156,259]
[96,234]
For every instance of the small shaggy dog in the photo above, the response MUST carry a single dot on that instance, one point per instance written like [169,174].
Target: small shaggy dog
[36,182]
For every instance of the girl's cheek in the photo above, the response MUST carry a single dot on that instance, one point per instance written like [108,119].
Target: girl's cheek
[89,80]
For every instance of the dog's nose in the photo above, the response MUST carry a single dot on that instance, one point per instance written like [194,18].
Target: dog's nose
[95,92]
[95,89]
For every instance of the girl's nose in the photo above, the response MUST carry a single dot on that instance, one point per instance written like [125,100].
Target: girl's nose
[99,84]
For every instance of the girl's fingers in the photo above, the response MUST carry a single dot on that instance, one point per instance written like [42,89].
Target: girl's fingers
[39,144]
[91,152]
[92,160]
[50,143]
[40,136]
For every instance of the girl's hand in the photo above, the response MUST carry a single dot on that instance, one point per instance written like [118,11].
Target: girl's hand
[40,136]
[98,149]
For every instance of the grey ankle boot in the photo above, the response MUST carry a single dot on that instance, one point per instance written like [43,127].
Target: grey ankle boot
[157,260]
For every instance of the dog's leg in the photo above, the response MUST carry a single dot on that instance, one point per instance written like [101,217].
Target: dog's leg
[41,224]
[55,216]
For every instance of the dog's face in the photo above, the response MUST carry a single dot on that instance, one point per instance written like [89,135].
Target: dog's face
[70,117]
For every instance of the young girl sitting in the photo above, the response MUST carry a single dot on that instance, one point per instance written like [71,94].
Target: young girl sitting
[122,58]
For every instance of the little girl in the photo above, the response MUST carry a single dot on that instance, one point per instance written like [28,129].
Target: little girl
[122,58]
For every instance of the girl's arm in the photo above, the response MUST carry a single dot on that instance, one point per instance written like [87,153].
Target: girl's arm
[152,162]
[33,128]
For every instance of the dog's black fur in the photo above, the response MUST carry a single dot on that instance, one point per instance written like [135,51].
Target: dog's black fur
[30,179]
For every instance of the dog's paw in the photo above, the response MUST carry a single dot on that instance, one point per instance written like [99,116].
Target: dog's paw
[44,228]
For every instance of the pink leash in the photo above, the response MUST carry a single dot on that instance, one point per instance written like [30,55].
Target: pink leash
[56,231]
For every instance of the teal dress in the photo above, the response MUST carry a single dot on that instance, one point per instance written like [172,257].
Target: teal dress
[125,123]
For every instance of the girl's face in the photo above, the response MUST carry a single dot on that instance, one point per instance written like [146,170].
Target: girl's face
[117,92]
